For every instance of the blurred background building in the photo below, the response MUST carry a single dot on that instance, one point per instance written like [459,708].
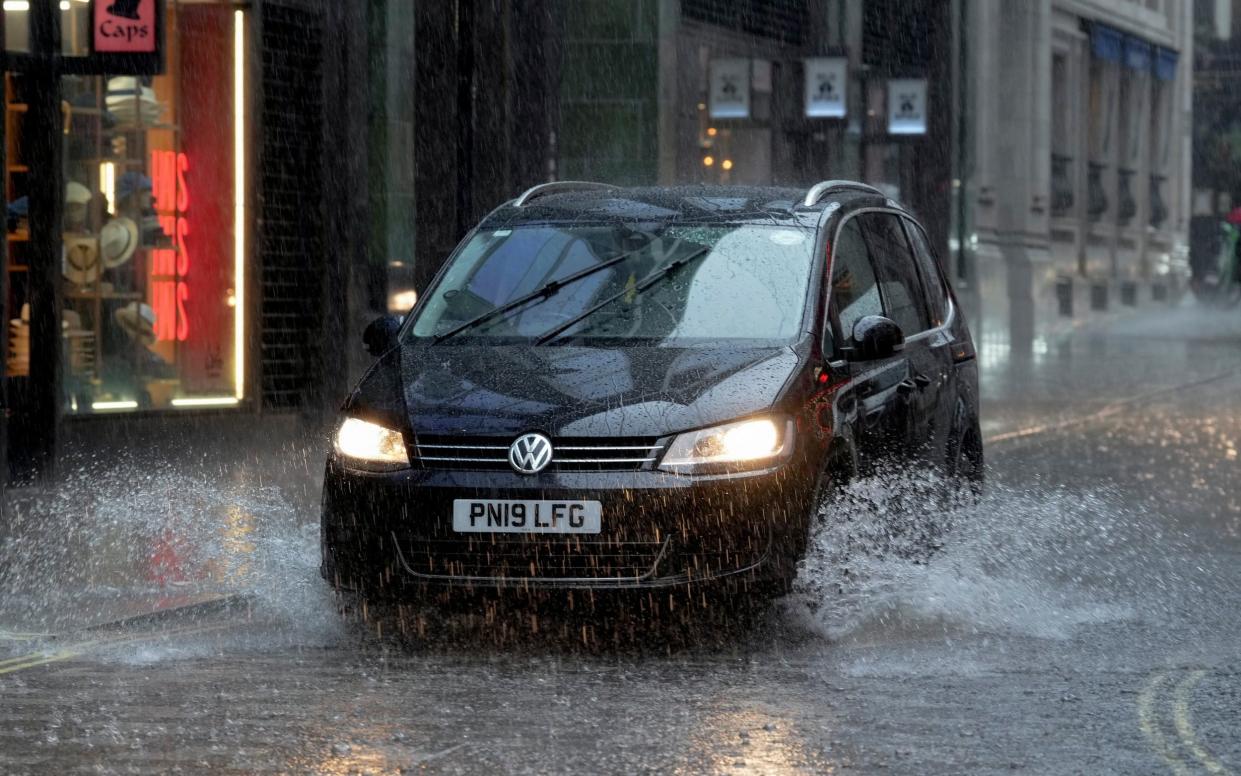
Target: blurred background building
[1077,184]
[1051,164]
[302,166]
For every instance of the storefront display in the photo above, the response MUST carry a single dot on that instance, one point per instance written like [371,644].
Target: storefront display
[152,265]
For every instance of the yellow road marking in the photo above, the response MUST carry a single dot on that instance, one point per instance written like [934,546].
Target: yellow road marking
[1185,727]
[21,658]
[52,658]
[1149,724]
[6,635]
[76,650]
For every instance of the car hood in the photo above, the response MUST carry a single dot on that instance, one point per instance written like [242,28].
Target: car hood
[578,391]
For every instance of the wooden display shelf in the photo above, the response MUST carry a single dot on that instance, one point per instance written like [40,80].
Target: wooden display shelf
[92,295]
[135,127]
[18,168]
[16,107]
[21,235]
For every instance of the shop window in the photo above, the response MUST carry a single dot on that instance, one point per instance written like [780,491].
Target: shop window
[151,295]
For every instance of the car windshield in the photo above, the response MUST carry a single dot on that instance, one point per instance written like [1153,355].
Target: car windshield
[669,285]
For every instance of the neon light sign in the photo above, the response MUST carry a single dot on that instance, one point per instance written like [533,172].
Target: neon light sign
[170,267]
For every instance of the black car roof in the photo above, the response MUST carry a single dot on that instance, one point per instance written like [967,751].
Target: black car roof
[772,205]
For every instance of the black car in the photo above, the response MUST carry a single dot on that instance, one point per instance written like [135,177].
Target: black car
[647,388]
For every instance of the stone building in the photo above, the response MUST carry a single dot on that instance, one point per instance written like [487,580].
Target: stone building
[1076,186]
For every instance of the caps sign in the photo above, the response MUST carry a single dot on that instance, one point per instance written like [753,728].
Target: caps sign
[125,26]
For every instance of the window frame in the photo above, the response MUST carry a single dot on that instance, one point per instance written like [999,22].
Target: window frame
[831,338]
[930,264]
[930,325]
[836,334]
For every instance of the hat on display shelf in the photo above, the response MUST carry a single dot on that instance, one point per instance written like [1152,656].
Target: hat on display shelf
[81,259]
[131,183]
[128,99]
[117,241]
[138,321]
[76,194]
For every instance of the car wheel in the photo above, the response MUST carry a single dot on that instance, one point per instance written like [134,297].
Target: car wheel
[831,482]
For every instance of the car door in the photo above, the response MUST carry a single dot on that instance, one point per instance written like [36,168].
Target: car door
[877,402]
[939,342]
[904,301]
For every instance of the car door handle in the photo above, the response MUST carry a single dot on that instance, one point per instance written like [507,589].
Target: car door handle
[922,380]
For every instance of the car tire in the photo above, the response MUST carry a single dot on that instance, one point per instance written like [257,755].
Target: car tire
[832,479]
[968,470]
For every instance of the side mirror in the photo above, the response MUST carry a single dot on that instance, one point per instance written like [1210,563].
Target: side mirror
[876,337]
[380,335]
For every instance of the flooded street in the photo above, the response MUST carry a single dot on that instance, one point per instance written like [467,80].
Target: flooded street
[1080,619]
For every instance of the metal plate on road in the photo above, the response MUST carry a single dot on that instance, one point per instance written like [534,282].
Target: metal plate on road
[523,516]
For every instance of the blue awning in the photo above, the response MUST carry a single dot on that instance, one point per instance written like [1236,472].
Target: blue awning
[1137,54]
[1165,64]
[1106,42]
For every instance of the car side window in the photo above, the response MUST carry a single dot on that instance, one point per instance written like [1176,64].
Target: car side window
[936,294]
[855,293]
[904,301]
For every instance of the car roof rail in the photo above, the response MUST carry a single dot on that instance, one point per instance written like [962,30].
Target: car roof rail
[818,190]
[558,187]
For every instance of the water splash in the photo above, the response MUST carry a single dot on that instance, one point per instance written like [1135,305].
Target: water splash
[108,542]
[890,557]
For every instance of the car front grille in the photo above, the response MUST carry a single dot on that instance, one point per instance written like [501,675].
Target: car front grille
[532,558]
[569,453]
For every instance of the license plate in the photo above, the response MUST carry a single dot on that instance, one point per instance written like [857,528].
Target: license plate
[521,516]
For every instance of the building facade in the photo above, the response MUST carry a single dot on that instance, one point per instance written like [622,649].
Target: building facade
[1076,177]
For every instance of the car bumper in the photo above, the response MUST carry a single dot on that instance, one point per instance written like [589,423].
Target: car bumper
[389,532]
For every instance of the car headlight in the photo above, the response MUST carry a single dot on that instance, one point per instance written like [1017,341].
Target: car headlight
[372,445]
[746,444]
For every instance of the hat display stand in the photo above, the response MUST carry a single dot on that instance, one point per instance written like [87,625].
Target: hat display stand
[115,124]
[99,349]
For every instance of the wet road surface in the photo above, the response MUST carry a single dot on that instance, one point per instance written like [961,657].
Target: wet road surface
[1082,619]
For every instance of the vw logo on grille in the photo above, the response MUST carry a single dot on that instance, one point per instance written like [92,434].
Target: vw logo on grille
[530,453]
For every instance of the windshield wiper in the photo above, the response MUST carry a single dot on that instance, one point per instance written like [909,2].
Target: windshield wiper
[542,292]
[646,283]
